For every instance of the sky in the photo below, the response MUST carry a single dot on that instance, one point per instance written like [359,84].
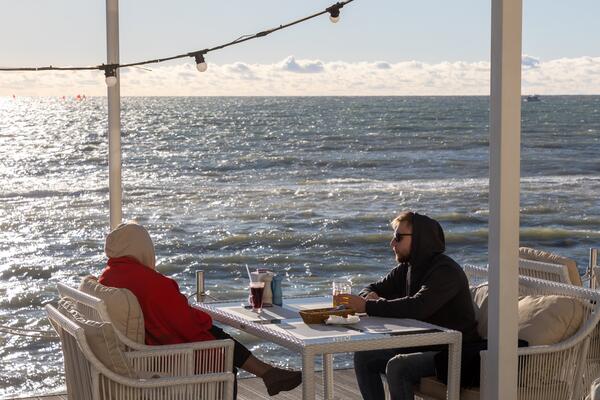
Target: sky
[379,47]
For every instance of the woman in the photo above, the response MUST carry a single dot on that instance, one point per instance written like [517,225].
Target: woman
[168,318]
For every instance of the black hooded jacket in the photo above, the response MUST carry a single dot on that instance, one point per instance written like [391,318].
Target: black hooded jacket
[438,291]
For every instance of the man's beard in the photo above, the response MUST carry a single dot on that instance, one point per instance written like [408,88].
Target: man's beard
[402,259]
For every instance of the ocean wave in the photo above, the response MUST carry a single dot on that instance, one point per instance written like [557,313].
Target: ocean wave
[531,234]
[456,217]
[28,272]
[536,210]
[465,238]
[40,194]
[557,233]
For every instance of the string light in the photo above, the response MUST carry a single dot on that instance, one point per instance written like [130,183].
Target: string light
[201,62]
[110,70]
[334,13]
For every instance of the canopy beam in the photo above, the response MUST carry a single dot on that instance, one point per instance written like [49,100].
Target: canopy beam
[505,140]
[114,115]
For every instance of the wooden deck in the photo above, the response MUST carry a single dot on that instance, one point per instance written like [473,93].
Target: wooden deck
[253,389]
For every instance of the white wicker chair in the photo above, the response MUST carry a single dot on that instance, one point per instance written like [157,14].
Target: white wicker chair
[534,269]
[95,309]
[88,379]
[564,370]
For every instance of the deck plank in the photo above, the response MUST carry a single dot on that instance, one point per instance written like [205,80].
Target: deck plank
[345,387]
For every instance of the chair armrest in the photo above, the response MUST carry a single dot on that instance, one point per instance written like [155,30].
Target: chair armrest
[212,356]
[165,381]
[208,386]
[208,344]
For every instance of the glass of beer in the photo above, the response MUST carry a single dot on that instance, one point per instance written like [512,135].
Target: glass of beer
[339,289]
[256,295]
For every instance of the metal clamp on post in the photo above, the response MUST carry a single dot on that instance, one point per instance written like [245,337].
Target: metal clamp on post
[200,293]
[593,268]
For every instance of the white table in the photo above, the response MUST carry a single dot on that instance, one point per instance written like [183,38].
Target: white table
[282,325]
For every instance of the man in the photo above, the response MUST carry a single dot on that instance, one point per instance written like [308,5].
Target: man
[427,285]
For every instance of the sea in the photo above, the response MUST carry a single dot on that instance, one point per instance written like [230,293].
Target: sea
[304,186]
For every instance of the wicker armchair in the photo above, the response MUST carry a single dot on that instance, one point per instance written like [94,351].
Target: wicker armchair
[95,309]
[563,370]
[158,373]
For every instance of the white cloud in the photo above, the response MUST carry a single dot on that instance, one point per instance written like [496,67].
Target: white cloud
[530,62]
[307,67]
[313,77]
[382,65]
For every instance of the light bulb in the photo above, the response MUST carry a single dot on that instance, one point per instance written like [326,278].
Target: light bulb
[202,66]
[334,14]
[111,81]
[200,62]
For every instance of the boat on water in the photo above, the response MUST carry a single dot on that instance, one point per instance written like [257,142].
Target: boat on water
[532,98]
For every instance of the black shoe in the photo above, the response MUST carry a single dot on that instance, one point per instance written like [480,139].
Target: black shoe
[280,380]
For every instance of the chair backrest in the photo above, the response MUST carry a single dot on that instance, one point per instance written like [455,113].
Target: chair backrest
[80,363]
[528,253]
[534,269]
[544,270]
[94,309]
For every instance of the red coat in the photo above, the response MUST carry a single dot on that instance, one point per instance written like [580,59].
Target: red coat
[168,318]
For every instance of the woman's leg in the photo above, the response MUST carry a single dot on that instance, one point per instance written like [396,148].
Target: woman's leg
[240,353]
[275,379]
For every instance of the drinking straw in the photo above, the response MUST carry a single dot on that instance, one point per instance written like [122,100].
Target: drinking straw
[248,271]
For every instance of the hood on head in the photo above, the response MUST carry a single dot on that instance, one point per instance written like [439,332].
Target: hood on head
[427,240]
[131,240]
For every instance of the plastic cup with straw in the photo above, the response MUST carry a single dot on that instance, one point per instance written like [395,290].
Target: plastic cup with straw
[256,292]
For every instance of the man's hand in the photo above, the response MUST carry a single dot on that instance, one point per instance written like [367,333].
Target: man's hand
[357,303]
[372,296]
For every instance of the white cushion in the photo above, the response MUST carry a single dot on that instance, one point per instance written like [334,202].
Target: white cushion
[528,253]
[122,306]
[101,338]
[543,319]
[548,319]
[480,304]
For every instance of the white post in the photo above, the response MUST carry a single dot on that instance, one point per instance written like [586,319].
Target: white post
[505,138]
[114,114]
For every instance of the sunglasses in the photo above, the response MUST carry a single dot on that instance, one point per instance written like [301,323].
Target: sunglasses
[398,236]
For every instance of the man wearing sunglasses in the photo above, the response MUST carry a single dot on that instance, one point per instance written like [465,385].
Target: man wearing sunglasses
[426,285]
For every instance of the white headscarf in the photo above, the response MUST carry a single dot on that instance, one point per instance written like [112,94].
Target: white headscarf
[131,240]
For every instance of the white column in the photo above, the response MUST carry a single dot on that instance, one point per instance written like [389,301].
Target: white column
[505,138]
[114,114]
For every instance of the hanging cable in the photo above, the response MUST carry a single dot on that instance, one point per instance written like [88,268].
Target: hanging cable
[110,70]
